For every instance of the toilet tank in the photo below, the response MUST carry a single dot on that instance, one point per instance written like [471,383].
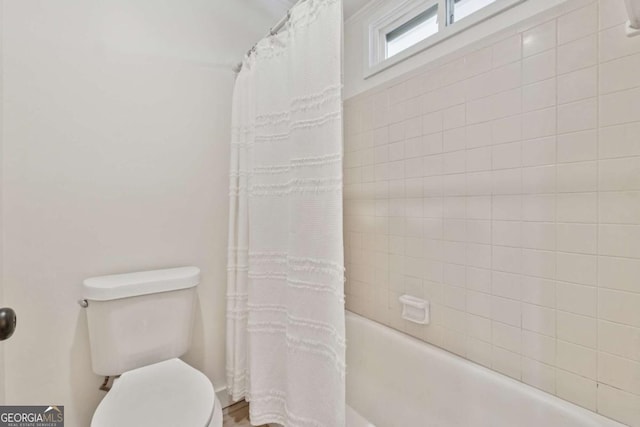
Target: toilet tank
[138,319]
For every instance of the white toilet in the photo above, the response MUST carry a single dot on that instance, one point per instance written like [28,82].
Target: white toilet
[139,324]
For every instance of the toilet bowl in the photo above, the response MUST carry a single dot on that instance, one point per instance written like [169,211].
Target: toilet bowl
[165,394]
[139,324]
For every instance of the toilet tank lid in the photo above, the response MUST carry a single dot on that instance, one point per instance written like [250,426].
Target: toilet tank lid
[116,286]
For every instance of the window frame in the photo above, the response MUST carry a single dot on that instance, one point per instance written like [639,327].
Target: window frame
[390,18]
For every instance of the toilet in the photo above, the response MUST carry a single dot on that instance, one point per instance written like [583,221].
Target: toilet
[139,326]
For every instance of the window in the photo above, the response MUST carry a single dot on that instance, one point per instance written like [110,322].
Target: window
[413,31]
[412,25]
[459,9]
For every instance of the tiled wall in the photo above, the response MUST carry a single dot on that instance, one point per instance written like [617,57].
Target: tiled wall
[504,187]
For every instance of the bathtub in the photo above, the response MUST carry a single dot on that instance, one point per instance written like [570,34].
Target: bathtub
[394,380]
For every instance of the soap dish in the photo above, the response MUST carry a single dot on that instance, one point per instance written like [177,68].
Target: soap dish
[414,309]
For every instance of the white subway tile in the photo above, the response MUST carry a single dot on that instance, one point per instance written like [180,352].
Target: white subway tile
[615,44]
[507,50]
[541,320]
[507,208]
[539,291]
[538,152]
[539,263]
[479,207]
[620,307]
[478,159]
[506,285]
[538,124]
[478,255]
[576,389]
[539,67]
[577,24]
[619,240]
[577,116]
[539,39]
[479,183]
[507,181]
[432,122]
[578,146]
[577,268]
[619,141]
[539,207]
[507,233]
[577,359]
[506,259]
[505,104]
[432,186]
[480,110]
[454,117]
[479,351]
[506,130]
[454,207]
[454,139]
[577,299]
[506,362]
[577,177]
[619,273]
[454,185]
[478,62]
[577,329]
[479,279]
[539,95]
[579,54]
[480,135]
[619,372]
[578,85]
[620,74]
[620,174]
[577,238]
[539,347]
[539,235]
[612,12]
[619,405]
[539,375]
[620,107]
[577,207]
[432,143]
[620,207]
[621,340]
[506,156]
[454,162]
[479,304]
[479,327]
[507,337]
[539,179]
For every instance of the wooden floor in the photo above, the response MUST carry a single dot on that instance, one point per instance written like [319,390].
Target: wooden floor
[237,415]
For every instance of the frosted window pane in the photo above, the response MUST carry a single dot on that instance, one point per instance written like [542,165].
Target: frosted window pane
[414,31]
[464,8]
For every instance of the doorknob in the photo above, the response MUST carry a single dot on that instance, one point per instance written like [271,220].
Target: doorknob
[8,322]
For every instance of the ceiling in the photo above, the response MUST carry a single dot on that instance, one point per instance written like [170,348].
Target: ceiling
[279,7]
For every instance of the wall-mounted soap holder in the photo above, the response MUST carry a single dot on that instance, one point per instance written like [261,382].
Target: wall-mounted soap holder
[633,24]
[414,309]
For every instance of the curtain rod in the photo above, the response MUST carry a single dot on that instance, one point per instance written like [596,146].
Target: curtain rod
[272,32]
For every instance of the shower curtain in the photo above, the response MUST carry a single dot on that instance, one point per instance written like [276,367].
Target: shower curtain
[285,299]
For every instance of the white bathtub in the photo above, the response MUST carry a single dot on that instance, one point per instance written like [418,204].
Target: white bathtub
[394,380]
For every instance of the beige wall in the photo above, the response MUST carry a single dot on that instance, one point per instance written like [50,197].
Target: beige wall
[502,185]
[115,158]
[2,378]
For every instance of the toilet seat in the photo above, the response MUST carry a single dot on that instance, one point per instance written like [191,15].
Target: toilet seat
[165,394]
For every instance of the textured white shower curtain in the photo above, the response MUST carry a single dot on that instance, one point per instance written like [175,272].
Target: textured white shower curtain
[285,299]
